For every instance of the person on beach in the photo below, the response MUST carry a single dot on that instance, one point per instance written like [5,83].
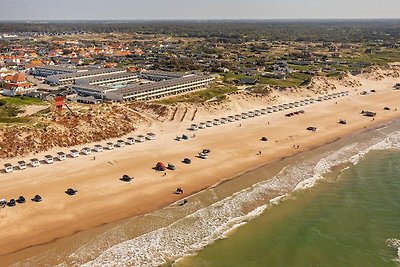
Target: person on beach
[179,190]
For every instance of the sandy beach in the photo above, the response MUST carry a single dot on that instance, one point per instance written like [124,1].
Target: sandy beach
[102,198]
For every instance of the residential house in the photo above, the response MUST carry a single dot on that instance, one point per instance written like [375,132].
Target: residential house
[248,81]
[16,85]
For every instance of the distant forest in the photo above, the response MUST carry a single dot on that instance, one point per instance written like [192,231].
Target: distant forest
[231,31]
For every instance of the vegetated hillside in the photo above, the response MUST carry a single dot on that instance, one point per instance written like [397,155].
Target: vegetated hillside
[46,131]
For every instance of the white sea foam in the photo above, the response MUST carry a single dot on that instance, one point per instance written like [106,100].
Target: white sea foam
[208,224]
[394,243]
[277,200]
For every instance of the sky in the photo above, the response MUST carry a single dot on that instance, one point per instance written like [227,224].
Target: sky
[196,9]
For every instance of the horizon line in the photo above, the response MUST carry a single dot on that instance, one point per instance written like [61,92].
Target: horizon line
[202,20]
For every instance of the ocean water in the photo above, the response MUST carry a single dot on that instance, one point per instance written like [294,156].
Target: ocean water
[351,218]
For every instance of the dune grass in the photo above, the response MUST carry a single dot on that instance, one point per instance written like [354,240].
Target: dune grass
[214,94]
[20,101]
[11,107]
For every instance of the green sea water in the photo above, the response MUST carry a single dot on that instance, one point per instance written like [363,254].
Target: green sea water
[345,220]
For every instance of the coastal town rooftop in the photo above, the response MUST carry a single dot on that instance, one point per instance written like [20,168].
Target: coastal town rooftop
[109,78]
[86,74]
[159,75]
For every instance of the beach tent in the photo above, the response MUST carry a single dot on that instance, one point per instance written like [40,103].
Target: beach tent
[37,198]
[160,166]
[126,178]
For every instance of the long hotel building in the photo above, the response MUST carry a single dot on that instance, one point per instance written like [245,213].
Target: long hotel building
[70,78]
[147,91]
[115,78]
[50,70]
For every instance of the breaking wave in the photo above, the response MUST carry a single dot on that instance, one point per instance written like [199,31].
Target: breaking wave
[394,243]
[214,222]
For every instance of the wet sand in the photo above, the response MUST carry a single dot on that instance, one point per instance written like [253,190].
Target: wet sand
[102,198]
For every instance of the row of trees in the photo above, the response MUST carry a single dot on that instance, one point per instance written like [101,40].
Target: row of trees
[231,31]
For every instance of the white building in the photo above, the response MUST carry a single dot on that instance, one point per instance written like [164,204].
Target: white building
[99,92]
[50,70]
[160,89]
[159,75]
[70,78]
[109,79]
